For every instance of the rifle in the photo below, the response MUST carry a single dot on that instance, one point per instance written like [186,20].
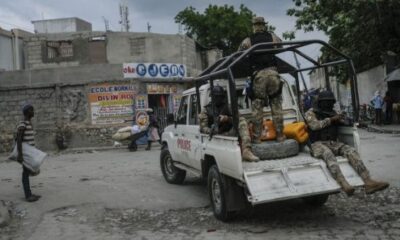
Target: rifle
[215,127]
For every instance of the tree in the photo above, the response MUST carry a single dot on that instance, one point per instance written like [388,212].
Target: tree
[219,26]
[363,29]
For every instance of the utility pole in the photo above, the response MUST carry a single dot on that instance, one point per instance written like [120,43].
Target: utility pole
[148,27]
[106,24]
[124,13]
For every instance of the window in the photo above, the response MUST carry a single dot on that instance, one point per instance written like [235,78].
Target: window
[182,113]
[193,110]
[59,49]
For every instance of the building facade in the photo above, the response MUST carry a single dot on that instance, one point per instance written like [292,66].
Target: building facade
[85,85]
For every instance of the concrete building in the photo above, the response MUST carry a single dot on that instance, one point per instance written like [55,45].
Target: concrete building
[85,85]
[61,25]
[367,83]
[12,49]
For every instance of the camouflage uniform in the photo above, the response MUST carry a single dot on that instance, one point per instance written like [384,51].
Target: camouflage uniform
[328,150]
[206,125]
[267,86]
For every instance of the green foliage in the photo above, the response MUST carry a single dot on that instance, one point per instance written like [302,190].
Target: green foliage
[219,26]
[362,29]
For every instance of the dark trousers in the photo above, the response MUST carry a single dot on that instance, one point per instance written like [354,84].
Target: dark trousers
[388,115]
[378,116]
[25,182]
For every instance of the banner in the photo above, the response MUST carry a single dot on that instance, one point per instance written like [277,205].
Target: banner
[154,70]
[111,104]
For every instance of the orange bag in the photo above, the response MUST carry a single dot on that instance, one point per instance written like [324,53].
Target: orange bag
[268,131]
[296,131]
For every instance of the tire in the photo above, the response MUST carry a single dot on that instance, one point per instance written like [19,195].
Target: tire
[171,173]
[317,200]
[270,150]
[216,192]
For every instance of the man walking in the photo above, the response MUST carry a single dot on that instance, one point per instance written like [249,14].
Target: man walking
[377,102]
[323,124]
[25,134]
[267,85]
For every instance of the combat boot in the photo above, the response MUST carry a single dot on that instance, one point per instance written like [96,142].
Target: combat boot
[346,187]
[249,156]
[372,186]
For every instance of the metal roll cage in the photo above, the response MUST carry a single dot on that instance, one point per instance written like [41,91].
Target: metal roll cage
[226,68]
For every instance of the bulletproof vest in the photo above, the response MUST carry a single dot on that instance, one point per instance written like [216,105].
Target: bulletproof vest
[329,133]
[261,60]
[223,110]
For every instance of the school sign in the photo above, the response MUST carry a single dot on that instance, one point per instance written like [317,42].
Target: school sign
[154,70]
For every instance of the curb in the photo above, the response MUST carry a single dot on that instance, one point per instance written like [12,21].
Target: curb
[372,128]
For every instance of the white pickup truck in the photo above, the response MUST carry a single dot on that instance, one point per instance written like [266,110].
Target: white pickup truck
[232,183]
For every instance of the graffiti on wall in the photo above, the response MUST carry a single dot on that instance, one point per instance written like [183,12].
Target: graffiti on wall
[111,103]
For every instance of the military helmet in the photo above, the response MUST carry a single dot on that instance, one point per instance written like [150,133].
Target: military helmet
[258,20]
[326,96]
[218,91]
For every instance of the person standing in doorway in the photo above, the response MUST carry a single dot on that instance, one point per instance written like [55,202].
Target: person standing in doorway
[389,108]
[25,134]
[153,135]
[377,102]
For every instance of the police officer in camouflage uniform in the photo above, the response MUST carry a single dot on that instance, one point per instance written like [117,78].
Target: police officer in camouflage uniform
[267,85]
[225,124]
[323,122]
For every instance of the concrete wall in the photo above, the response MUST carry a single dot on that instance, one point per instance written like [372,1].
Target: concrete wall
[370,81]
[37,56]
[6,55]
[61,25]
[150,47]
[60,98]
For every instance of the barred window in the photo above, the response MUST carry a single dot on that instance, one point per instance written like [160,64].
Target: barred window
[137,45]
[59,49]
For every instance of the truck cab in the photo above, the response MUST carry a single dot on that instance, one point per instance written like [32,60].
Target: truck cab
[233,183]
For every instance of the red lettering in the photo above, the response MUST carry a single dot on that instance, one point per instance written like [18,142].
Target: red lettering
[184,144]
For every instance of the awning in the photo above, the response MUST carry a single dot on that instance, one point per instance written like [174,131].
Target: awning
[393,76]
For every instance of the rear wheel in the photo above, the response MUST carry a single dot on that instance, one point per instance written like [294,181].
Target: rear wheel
[171,173]
[317,200]
[216,191]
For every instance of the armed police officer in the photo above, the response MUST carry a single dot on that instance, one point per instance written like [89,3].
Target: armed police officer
[323,122]
[224,123]
[266,83]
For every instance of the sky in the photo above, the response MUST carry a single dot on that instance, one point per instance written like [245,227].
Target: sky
[159,14]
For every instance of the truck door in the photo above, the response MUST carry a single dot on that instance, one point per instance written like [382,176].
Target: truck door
[181,143]
[192,133]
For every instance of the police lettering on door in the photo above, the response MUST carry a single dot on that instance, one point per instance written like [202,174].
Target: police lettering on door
[154,70]
[183,144]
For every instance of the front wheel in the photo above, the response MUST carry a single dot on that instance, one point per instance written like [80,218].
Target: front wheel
[171,173]
[216,191]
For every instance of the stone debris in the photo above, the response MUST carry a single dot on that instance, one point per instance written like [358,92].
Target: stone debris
[5,217]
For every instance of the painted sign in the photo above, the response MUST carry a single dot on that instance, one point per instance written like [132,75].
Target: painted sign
[176,101]
[156,88]
[141,101]
[154,70]
[111,103]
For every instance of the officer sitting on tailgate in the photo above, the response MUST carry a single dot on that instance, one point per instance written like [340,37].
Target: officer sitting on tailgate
[323,122]
[225,124]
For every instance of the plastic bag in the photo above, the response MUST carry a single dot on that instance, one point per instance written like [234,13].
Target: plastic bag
[119,136]
[33,157]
